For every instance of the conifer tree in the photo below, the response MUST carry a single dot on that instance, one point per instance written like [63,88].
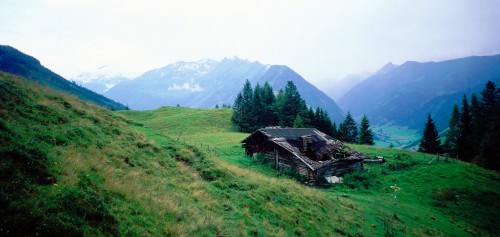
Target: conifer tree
[298,122]
[322,122]
[453,134]
[268,100]
[247,106]
[348,131]
[243,108]
[489,99]
[365,132]
[475,109]
[293,105]
[253,109]
[237,111]
[335,132]
[465,144]
[278,105]
[258,113]
[327,125]
[489,147]
[312,117]
[476,126]
[429,143]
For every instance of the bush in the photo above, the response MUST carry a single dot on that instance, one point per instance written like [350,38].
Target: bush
[399,165]
[211,173]
[358,179]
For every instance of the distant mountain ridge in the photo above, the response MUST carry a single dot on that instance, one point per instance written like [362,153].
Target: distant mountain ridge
[337,88]
[205,83]
[405,94]
[15,62]
[100,80]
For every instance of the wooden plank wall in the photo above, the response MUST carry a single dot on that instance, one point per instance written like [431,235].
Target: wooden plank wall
[339,168]
[286,160]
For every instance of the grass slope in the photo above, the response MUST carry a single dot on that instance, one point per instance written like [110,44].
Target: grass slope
[71,168]
[15,62]
[440,198]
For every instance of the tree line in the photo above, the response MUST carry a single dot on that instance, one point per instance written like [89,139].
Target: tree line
[473,130]
[259,107]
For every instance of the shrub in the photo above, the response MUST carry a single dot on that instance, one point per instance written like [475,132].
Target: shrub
[399,165]
[358,179]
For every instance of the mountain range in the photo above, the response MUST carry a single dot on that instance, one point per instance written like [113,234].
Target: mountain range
[15,62]
[206,83]
[394,96]
[337,88]
[404,95]
[100,80]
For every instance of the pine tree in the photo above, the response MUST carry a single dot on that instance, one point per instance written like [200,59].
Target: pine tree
[278,105]
[298,122]
[453,134]
[253,109]
[348,130]
[476,127]
[490,111]
[365,132]
[268,100]
[293,105]
[429,143]
[258,113]
[335,132]
[237,111]
[475,109]
[465,144]
[243,108]
[321,121]
[489,99]
[327,125]
[312,118]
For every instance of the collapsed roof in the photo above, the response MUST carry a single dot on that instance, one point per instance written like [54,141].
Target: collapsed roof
[313,147]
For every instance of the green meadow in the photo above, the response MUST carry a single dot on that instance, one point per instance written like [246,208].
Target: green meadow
[72,168]
[396,136]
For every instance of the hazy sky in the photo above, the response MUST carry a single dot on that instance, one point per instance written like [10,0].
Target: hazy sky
[321,40]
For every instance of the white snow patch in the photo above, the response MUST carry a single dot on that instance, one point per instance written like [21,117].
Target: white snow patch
[186,86]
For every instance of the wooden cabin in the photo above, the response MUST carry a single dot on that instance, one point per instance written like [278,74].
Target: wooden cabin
[308,151]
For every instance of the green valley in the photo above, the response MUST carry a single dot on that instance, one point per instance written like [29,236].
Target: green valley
[72,168]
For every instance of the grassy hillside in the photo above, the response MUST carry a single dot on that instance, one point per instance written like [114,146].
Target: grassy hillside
[15,62]
[70,168]
[437,198]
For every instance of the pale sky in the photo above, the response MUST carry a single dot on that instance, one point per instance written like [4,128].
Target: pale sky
[321,40]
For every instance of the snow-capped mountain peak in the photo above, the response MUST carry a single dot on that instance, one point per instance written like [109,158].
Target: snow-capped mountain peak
[182,69]
[101,79]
